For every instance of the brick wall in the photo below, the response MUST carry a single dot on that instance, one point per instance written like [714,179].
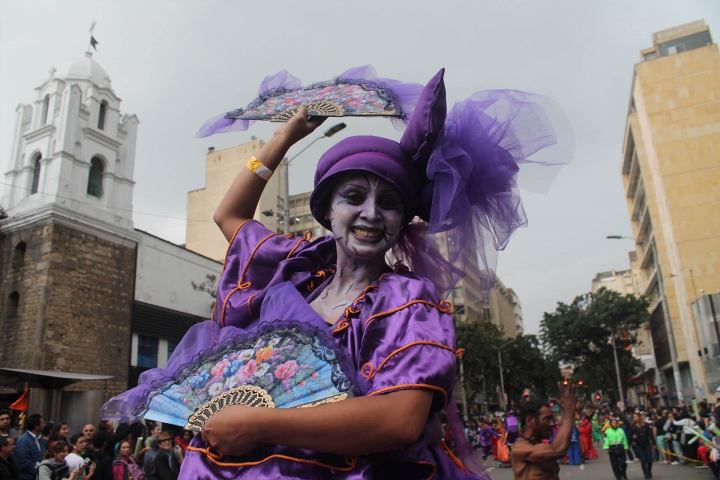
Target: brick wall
[75,304]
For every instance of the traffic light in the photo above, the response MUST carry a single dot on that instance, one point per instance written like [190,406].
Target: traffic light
[565,382]
[597,397]
[580,383]
[526,393]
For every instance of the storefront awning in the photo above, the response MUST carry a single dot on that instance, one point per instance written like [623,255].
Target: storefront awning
[46,379]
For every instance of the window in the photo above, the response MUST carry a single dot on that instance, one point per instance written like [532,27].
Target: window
[487,315]
[13,304]
[171,346]
[147,352]
[36,174]
[101,115]
[45,108]
[19,255]
[94,187]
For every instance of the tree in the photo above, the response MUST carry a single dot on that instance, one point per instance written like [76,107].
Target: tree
[582,334]
[528,366]
[525,364]
[209,286]
[480,339]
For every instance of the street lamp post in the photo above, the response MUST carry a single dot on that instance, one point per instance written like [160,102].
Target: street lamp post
[666,313]
[463,390]
[286,174]
[502,381]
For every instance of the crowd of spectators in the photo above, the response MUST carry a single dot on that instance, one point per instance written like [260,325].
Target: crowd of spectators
[47,451]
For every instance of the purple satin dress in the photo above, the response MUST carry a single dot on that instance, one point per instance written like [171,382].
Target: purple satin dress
[397,335]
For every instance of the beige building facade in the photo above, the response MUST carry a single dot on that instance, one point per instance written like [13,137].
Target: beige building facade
[671,174]
[221,167]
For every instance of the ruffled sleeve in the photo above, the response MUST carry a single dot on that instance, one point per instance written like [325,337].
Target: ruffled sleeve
[258,258]
[408,340]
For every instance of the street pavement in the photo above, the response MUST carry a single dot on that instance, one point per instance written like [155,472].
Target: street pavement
[599,469]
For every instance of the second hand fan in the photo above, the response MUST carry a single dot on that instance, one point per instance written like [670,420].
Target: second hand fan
[280,368]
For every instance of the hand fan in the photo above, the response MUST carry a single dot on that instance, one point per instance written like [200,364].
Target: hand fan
[335,98]
[281,368]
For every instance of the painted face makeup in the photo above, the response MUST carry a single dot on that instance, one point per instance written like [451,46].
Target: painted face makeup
[366,215]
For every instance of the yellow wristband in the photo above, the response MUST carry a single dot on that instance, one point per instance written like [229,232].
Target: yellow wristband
[259,169]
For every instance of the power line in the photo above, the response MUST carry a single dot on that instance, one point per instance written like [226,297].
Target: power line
[107,206]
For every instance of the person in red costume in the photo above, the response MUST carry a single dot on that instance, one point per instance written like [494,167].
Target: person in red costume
[585,428]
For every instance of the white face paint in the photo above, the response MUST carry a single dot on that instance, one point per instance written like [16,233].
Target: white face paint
[365,214]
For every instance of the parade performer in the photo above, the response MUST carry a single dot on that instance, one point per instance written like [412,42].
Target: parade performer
[574,456]
[487,435]
[456,172]
[586,436]
[597,436]
[531,457]
[511,422]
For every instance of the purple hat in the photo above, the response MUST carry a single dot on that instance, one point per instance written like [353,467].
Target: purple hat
[400,164]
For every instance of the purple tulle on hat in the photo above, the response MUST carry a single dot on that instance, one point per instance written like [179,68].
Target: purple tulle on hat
[473,170]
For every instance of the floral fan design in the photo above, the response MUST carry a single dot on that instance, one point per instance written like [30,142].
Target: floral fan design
[335,98]
[280,368]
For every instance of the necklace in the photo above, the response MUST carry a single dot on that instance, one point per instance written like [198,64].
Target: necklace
[532,442]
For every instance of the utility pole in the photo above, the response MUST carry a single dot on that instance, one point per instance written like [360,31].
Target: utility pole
[617,370]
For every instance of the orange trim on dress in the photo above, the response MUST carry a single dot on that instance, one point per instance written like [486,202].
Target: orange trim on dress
[242,285]
[440,306]
[373,370]
[434,467]
[232,239]
[305,238]
[216,457]
[452,456]
[407,386]
[250,305]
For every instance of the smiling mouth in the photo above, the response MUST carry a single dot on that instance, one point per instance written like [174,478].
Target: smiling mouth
[369,234]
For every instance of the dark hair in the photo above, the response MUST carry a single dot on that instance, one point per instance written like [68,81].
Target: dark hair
[99,439]
[56,431]
[4,441]
[103,426]
[55,448]
[4,411]
[531,408]
[120,443]
[74,439]
[33,421]
[48,428]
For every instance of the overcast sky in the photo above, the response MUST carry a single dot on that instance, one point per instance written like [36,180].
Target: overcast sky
[175,64]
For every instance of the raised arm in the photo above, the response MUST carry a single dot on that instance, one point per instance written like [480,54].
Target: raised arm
[356,426]
[241,199]
[556,450]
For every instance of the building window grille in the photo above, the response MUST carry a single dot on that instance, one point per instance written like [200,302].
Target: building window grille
[101,115]
[94,186]
[36,174]
[19,255]
[45,108]
[147,352]
[13,304]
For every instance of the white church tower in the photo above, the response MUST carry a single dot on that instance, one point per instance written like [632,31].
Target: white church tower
[73,154]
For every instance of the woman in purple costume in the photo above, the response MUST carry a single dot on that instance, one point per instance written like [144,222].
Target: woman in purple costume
[457,174]
[486,437]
